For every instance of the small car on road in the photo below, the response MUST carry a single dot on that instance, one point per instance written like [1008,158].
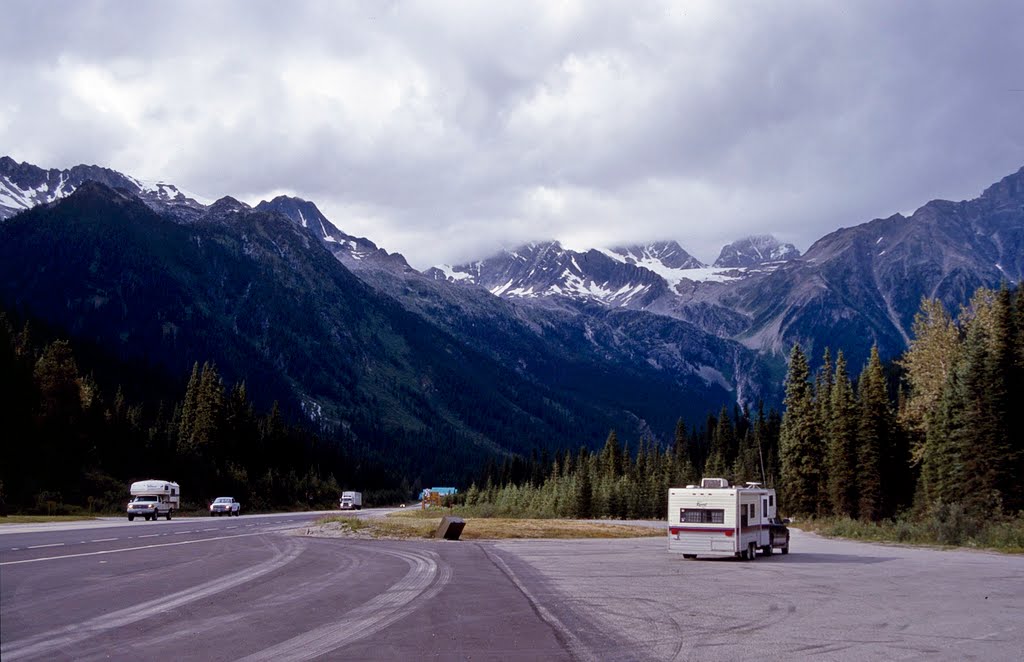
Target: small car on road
[225,506]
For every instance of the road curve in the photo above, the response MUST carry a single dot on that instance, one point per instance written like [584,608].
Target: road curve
[260,589]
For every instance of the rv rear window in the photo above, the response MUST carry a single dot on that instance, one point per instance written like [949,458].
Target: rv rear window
[701,516]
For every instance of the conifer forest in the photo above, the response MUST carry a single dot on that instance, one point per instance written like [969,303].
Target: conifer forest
[938,430]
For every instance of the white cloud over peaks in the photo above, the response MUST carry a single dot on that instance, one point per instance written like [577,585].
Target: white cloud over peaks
[443,129]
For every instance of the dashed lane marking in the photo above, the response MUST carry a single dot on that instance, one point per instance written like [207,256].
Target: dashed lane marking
[104,540]
[52,544]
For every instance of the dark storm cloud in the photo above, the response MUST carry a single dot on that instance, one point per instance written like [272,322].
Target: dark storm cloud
[444,130]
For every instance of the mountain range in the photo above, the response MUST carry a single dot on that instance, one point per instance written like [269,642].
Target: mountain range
[534,348]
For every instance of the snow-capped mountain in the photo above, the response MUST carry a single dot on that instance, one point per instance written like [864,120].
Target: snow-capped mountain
[23,186]
[633,277]
[542,270]
[755,251]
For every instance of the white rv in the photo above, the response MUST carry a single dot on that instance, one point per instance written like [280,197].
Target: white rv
[351,501]
[716,519]
[153,498]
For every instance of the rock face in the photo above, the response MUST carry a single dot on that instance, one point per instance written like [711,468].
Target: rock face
[23,186]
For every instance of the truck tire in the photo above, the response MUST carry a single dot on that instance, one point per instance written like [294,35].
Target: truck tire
[767,549]
[751,552]
[785,548]
[131,518]
[168,515]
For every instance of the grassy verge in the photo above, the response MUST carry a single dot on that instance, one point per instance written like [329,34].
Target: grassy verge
[950,529]
[36,519]
[422,524]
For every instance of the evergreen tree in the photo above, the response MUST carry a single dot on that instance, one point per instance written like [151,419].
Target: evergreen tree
[842,442]
[584,486]
[874,438]
[800,441]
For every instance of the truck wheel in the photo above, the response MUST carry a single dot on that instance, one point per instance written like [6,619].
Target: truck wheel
[751,552]
[767,549]
[785,549]
[168,516]
[131,518]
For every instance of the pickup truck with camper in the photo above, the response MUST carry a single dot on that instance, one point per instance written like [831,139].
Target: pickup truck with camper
[716,519]
[153,498]
[351,501]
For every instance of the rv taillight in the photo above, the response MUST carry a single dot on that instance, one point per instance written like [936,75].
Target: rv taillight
[728,534]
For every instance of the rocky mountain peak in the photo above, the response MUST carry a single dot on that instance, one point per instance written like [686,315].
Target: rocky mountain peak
[666,253]
[755,250]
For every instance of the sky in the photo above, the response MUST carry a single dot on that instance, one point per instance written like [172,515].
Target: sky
[447,130]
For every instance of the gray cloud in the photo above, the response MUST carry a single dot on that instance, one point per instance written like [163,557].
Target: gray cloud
[444,130]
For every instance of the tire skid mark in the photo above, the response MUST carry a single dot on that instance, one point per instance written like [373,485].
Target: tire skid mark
[574,644]
[54,640]
[425,579]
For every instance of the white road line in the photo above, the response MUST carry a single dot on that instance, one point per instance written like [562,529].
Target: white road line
[208,529]
[104,540]
[62,638]
[418,586]
[53,544]
[132,549]
[15,549]
[232,527]
[151,535]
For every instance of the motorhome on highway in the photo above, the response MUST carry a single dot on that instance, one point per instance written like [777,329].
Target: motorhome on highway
[716,519]
[153,498]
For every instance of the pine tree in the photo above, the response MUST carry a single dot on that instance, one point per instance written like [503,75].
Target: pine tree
[842,442]
[188,411]
[584,486]
[610,459]
[874,438]
[800,441]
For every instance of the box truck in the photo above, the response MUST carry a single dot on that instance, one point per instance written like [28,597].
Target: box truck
[716,519]
[153,498]
[351,501]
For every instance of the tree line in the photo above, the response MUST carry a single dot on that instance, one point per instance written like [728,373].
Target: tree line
[939,430]
[617,482]
[72,444]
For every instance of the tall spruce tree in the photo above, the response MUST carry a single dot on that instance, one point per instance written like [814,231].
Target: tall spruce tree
[800,440]
[842,443]
[875,434]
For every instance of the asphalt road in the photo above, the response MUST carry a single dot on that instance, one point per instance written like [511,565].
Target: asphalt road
[258,588]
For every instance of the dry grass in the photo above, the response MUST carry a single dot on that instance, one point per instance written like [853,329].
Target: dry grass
[36,519]
[422,524]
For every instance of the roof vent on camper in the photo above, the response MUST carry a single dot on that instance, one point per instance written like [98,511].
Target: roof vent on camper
[714,482]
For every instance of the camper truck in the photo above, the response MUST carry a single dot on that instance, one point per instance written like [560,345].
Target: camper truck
[351,501]
[716,519]
[153,498]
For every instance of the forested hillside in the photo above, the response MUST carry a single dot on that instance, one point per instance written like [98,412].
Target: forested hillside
[935,437]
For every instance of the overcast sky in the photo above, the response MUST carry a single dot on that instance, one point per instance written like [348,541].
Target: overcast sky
[447,130]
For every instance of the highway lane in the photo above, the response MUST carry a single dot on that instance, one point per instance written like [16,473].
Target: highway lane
[271,594]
